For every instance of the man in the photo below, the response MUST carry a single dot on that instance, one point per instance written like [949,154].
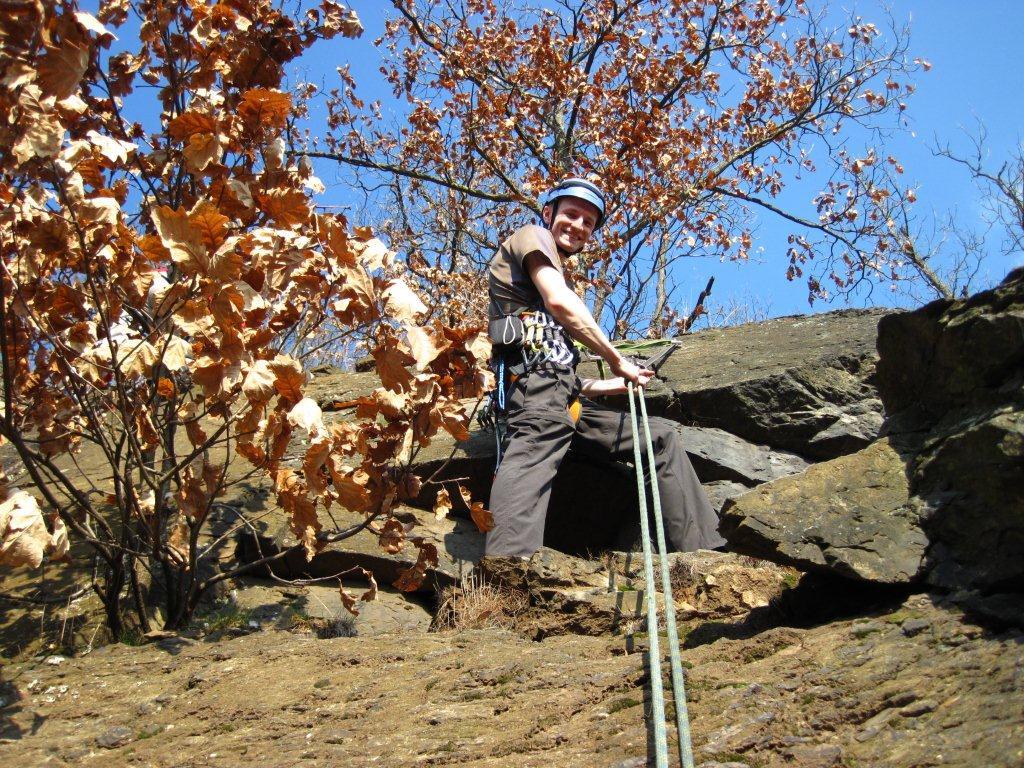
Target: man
[534,315]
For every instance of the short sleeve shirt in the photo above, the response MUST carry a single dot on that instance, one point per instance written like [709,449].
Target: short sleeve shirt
[510,288]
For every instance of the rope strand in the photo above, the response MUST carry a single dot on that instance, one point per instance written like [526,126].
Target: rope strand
[678,678]
[653,649]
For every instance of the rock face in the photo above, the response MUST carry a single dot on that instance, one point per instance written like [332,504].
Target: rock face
[952,379]
[852,516]
[941,498]
[801,384]
[755,402]
[898,688]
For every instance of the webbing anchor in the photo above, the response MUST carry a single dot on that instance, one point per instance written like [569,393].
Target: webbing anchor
[653,649]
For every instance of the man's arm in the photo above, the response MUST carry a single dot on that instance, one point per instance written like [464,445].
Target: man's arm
[569,310]
[599,387]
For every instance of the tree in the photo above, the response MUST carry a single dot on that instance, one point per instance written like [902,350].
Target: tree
[693,115]
[161,286]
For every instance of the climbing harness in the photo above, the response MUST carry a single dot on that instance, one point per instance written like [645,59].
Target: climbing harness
[654,652]
[538,339]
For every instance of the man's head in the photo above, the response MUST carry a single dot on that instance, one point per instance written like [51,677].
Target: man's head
[573,211]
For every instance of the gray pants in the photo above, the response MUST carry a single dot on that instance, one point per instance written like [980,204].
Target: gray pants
[541,431]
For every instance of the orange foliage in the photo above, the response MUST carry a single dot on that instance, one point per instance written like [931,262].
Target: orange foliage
[152,281]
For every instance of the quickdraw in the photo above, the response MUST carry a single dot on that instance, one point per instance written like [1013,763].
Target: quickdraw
[544,340]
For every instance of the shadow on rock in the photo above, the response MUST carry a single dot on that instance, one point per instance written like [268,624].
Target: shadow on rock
[815,600]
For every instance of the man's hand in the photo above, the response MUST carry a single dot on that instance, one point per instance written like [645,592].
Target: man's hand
[631,371]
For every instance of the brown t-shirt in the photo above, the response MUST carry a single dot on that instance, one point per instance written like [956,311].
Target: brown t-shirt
[510,288]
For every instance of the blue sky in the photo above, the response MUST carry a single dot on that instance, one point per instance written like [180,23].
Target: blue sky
[977,74]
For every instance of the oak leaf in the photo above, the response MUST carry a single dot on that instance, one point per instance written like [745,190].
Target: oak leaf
[178,543]
[258,385]
[289,378]
[392,536]
[314,461]
[293,497]
[452,416]
[423,346]
[442,504]
[202,150]
[402,303]
[91,24]
[307,415]
[61,69]
[42,138]
[193,501]
[352,493]
[190,123]
[182,239]
[338,18]
[24,539]
[483,518]
[115,150]
[479,346]
[285,207]
[349,600]
[264,107]
[410,579]
[391,365]
[175,353]
[373,253]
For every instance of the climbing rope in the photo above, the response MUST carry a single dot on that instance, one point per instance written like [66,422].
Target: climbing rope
[654,651]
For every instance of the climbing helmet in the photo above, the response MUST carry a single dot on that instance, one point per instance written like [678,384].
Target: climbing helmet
[580,189]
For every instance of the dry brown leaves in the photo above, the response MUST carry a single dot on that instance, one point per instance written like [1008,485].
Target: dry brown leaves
[24,536]
[411,579]
[158,278]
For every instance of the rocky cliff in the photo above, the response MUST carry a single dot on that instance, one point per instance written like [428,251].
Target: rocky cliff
[940,497]
[868,468]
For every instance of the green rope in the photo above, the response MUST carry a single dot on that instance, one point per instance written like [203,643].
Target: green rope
[678,680]
[653,651]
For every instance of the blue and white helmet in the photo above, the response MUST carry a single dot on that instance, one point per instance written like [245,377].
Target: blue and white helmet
[580,189]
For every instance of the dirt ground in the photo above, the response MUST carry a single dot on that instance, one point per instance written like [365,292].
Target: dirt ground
[912,685]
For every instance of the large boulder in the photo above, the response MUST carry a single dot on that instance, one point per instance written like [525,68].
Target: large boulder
[720,455]
[802,384]
[941,498]
[952,378]
[852,515]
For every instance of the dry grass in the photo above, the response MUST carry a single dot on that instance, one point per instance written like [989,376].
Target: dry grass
[476,604]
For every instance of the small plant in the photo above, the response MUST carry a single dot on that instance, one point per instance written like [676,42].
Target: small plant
[477,604]
[620,704]
[340,626]
[682,576]
[225,619]
[130,635]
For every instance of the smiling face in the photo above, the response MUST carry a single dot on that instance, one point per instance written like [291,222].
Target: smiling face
[572,222]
